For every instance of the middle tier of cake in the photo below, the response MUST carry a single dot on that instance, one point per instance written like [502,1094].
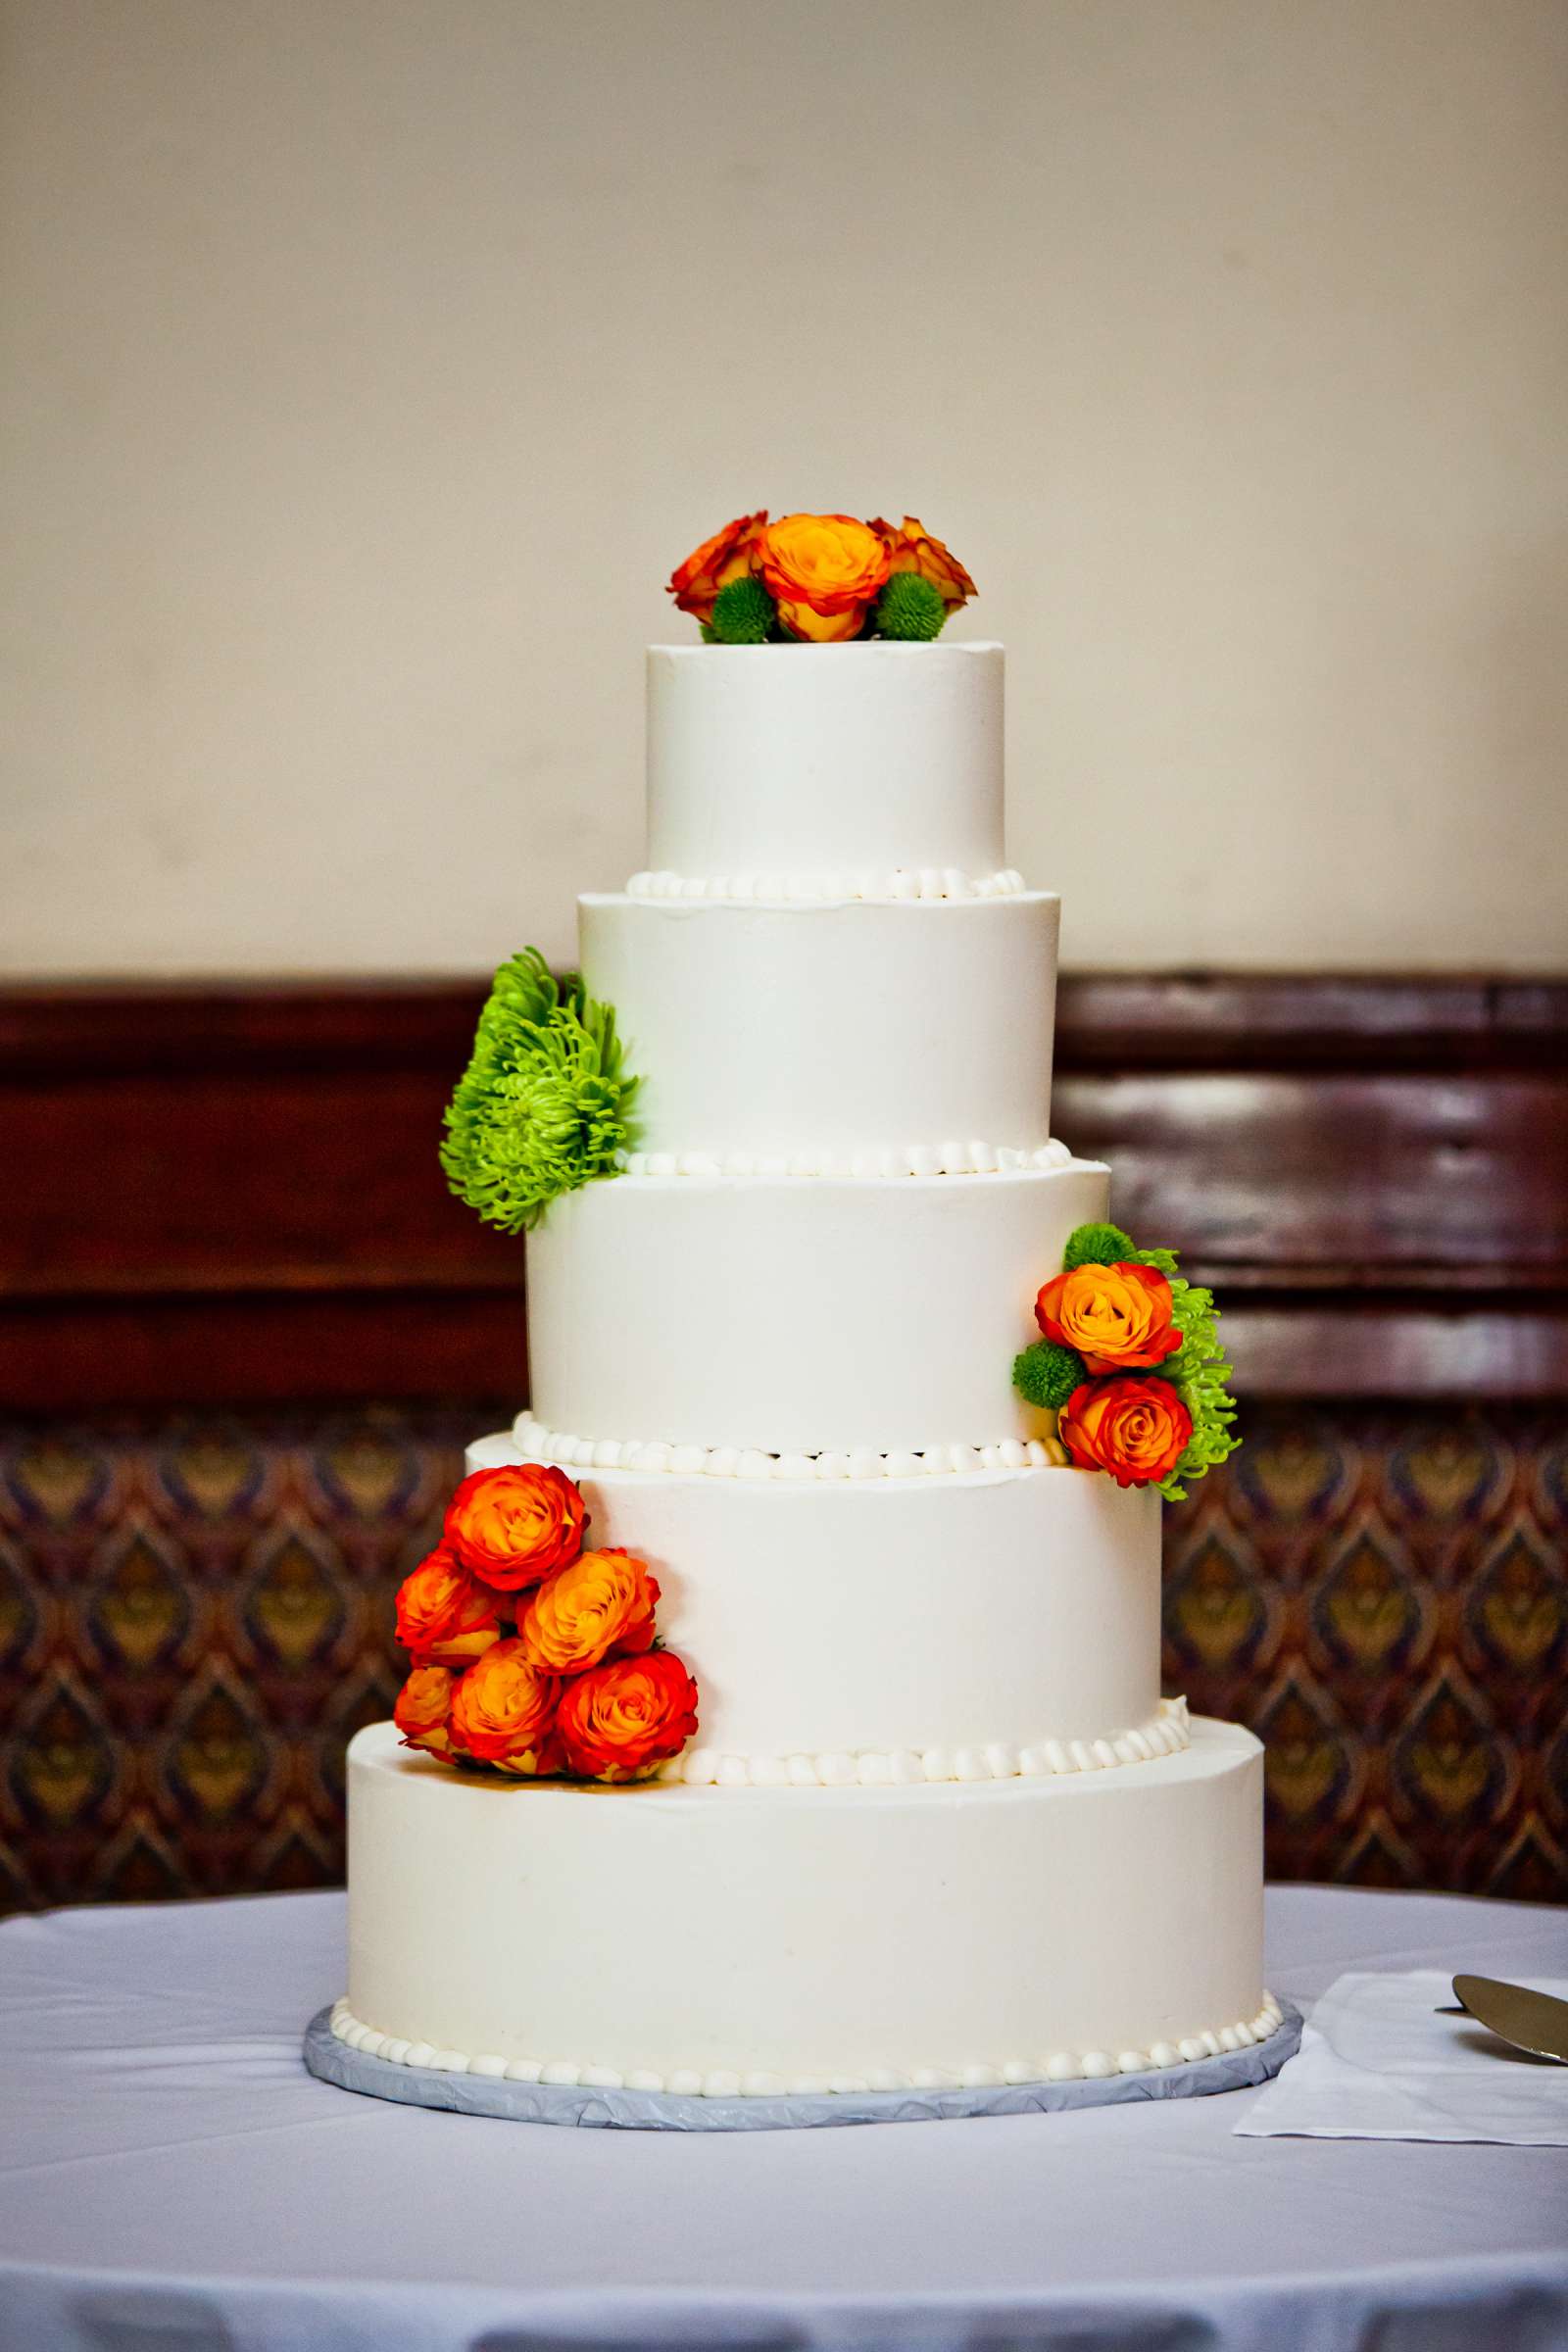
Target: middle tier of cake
[798,1316]
[987,1626]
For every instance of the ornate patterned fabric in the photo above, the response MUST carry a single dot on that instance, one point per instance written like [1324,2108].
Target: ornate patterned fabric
[196,1613]
[1382,1594]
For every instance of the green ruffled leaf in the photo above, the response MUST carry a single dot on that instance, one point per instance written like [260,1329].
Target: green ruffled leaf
[1198,1373]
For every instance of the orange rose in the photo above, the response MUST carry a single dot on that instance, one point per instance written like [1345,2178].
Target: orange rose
[511,1527]
[826,571]
[696,583]
[618,1721]
[443,1616]
[600,1607]
[1136,1429]
[911,547]
[504,1712]
[1119,1318]
[423,1706]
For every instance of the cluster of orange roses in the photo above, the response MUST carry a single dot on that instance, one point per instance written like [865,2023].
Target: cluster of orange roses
[825,571]
[1120,1320]
[578,1686]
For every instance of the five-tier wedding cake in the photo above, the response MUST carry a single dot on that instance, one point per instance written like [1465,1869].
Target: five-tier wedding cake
[890,1797]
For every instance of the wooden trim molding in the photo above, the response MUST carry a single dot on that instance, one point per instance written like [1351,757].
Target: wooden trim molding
[229,1192]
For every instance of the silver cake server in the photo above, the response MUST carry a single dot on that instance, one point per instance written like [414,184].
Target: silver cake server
[1537,2022]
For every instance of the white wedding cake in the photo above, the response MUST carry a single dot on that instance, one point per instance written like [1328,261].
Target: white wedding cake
[936,1825]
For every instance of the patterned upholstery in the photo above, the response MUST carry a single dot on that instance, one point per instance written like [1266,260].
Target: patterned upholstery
[195,1613]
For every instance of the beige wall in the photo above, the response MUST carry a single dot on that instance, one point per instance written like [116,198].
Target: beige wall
[368,363]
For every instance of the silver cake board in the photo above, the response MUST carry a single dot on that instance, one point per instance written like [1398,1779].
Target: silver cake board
[333,2060]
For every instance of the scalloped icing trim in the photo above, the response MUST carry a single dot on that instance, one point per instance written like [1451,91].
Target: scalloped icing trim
[903,882]
[1057,2065]
[950,1159]
[1166,1734]
[543,1444]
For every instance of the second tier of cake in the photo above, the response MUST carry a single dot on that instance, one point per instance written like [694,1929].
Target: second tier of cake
[981,1626]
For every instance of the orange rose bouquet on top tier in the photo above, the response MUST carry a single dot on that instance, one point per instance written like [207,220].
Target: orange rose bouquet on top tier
[1129,1368]
[730,554]
[531,1655]
[819,579]
[826,571]
[912,548]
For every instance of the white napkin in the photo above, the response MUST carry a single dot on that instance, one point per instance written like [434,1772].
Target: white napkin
[1378,2062]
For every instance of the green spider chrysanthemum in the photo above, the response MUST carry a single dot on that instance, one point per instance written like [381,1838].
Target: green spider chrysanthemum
[543,1105]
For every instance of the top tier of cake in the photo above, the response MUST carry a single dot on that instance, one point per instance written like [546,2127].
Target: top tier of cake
[832,771]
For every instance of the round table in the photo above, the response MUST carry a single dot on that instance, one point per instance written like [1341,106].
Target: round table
[172,2176]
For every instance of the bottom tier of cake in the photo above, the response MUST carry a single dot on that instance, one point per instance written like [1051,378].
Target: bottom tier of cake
[759,1940]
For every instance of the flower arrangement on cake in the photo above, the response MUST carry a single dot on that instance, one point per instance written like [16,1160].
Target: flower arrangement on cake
[819,579]
[544,1103]
[532,1655]
[1130,1365]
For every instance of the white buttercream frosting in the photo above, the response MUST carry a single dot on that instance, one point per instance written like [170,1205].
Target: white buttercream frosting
[1166,1734]
[569,1451]
[823,1618]
[729,2083]
[807,1930]
[904,882]
[773,1025]
[809,760]
[843,1320]
[950,1159]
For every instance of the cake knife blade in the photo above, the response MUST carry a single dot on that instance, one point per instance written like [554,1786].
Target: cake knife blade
[1537,2022]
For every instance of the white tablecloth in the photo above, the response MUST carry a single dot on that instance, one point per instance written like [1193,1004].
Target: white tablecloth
[170,2176]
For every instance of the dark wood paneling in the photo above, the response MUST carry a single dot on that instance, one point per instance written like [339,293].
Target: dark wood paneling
[1332,1181]
[1372,1172]
[263,1348]
[1297,1021]
[232,1192]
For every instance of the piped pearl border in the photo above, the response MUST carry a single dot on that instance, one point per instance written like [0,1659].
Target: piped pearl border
[950,1159]
[543,1444]
[1057,2065]
[904,882]
[1166,1734]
